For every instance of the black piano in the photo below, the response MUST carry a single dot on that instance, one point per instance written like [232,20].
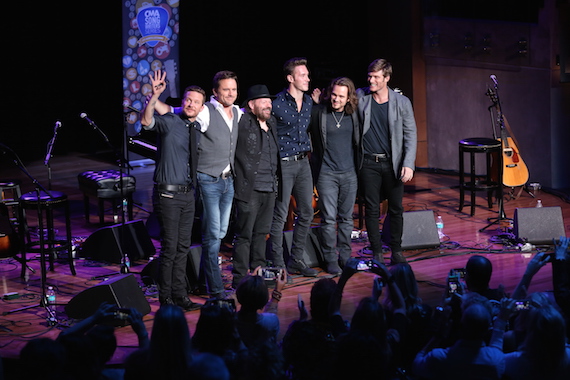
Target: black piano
[143,145]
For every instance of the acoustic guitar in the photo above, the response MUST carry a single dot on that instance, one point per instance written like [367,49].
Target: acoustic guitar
[515,171]
[9,242]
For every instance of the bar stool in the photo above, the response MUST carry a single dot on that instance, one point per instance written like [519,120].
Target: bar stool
[491,181]
[52,245]
[106,185]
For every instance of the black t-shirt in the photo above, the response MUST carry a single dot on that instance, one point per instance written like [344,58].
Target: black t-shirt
[377,138]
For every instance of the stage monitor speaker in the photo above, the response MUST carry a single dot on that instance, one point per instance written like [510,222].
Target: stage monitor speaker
[107,244]
[419,231]
[539,225]
[312,254]
[122,290]
[150,273]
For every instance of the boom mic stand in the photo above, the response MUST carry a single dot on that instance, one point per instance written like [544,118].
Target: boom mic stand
[51,143]
[51,317]
[121,160]
[497,104]
[128,110]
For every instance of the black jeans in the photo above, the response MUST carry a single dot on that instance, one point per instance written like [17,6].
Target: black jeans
[378,182]
[175,213]
[252,225]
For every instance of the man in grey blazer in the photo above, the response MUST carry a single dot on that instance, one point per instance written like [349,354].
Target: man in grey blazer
[389,141]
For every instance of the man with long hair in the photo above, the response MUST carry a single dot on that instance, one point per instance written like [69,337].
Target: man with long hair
[335,134]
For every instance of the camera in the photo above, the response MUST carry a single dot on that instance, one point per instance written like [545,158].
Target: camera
[458,272]
[228,303]
[122,313]
[270,273]
[452,285]
[453,282]
[522,305]
[364,265]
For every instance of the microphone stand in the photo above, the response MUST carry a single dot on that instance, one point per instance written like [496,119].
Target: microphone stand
[497,104]
[125,155]
[51,317]
[50,146]
[121,160]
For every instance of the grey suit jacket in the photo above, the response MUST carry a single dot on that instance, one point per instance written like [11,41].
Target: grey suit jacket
[402,124]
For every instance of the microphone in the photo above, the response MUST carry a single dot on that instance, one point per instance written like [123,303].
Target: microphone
[132,109]
[83,115]
[494,79]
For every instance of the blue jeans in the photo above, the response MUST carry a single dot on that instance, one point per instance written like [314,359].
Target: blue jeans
[296,180]
[175,213]
[217,196]
[337,194]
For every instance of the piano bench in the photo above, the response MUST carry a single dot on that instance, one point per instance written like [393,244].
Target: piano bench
[106,185]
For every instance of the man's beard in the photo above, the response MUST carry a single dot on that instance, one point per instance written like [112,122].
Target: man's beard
[264,116]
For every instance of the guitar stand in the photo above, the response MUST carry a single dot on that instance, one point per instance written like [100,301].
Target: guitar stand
[519,192]
[502,216]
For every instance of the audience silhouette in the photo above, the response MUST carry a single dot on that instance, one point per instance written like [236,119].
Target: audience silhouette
[169,353]
[475,333]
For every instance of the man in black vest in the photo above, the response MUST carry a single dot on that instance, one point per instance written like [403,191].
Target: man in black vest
[174,189]
[256,165]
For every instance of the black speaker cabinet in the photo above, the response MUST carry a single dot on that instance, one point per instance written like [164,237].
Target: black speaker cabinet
[122,290]
[313,252]
[419,232]
[109,243]
[150,273]
[539,225]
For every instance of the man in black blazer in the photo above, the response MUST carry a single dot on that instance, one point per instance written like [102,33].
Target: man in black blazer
[257,166]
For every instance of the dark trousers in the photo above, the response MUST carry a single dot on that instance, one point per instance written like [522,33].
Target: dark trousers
[297,180]
[252,225]
[176,216]
[378,182]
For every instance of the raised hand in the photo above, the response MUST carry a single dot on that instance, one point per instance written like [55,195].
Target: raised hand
[158,81]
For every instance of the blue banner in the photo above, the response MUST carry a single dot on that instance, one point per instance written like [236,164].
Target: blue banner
[150,42]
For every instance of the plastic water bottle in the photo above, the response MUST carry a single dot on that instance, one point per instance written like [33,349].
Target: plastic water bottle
[125,264]
[439,225]
[50,295]
[538,203]
[50,306]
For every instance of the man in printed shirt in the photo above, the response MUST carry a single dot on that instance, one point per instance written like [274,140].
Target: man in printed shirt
[292,110]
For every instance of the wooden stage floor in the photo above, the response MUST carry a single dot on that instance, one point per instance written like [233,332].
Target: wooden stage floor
[428,191]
